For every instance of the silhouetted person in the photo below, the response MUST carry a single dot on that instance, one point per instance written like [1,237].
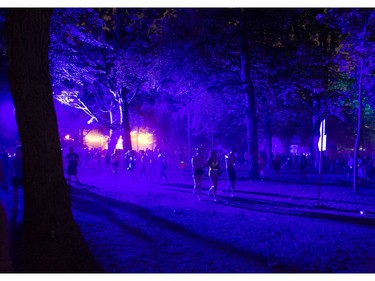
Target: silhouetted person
[3,179]
[213,172]
[130,160]
[181,160]
[73,161]
[230,162]
[151,164]
[5,259]
[350,165]
[17,176]
[144,162]
[246,159]
[303,165]
[4,158]
[163,161]
[277,165]
[198,164]
[107,160]
[115,158]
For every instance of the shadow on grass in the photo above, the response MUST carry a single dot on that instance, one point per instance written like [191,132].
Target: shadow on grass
[273,205]
[98,205]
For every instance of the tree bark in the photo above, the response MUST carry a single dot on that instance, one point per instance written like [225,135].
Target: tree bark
[50,241]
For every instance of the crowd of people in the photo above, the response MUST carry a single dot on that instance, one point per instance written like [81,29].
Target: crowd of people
[340,163]
[149,165]
[153,165]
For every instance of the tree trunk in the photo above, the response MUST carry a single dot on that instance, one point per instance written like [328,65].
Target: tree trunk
[113,135]
[314,139]
[268,144]
[251,120]
[126,136]
[358,137]
[112,140]
[50,240]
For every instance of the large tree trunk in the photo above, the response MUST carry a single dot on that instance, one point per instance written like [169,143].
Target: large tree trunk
[251,119]
[50,240]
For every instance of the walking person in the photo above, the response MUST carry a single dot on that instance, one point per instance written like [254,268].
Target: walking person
[213,172]
[163,161]
[230,162]
[17,176]
[73,161]
[198,164]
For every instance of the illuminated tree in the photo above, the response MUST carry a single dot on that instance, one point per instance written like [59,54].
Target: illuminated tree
[355,57]
[51,240]
[111,62]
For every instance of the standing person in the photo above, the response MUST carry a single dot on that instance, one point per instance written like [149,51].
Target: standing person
[3,179]
[4,158]
[107,160]
[151,163]
[277,165]
[303,165]
[144,165]
[198,164]
[17,176]
[163,166]
[115,160]
[246,159]
[350,165]
[73,161]
[213,172]
[230,162]
[181,160]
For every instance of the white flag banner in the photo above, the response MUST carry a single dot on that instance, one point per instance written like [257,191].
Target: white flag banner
[322,143]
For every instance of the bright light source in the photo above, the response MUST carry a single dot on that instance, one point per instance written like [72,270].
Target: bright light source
[142,140]
[67,137]
[120,144]
[95,139]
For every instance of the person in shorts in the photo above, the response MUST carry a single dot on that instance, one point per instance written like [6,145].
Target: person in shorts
[73,161]
[198,164]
